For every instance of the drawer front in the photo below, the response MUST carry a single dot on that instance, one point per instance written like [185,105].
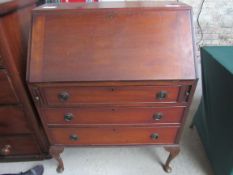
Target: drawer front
[113,115]
[13,121]
[18,145]
[122,94]
[113,135]
[7,95]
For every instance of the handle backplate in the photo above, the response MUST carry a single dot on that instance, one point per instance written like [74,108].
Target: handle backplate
[68,117]
[161,95]
[63,96]
[74,137]
[154,136]
[158,116]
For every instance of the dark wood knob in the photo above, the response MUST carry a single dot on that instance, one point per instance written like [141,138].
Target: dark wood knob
[74,137]
[68,117]
[6,150]
[64,96]
[154,136]
[161,95]
[158,116]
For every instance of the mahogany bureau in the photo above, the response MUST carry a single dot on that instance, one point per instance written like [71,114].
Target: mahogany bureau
[21,134]
[112,73]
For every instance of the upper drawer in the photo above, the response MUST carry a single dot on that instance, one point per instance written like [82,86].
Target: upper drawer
[13,121]
[72,95]
[7,94]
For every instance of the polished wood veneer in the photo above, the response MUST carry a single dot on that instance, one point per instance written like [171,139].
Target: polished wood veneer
[121,94]
[113,135]
[111,46]
[113,115]
[112,73]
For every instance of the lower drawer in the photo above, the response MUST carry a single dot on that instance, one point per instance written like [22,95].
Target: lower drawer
[113,135]
[18,145]
[13,121]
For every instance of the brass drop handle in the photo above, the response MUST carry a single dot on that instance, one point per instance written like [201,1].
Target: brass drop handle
[161,95]
[6,150]
[68,117]
[158,116]
[63,96]
[154,136]
[74,137]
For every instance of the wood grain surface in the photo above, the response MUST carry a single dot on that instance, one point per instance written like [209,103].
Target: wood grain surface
[82,44]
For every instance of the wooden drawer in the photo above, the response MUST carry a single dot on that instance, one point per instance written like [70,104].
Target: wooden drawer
[12,121]
[113,135]
[18,145]
[7,95]
[122,94]
[113,115]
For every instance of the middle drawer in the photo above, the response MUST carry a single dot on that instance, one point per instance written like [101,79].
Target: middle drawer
[113,115]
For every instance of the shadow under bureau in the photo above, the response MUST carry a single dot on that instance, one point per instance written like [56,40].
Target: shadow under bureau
[112,73]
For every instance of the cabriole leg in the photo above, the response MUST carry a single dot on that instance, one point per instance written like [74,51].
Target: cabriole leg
[174,151]
[55,152]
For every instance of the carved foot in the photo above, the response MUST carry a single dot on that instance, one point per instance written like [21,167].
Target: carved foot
[55,152]
[174,151]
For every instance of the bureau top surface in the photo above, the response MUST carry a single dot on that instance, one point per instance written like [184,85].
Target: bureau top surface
[112,5]
[111,41]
